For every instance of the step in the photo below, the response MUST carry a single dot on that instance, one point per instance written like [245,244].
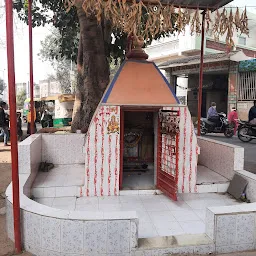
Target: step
[180,244]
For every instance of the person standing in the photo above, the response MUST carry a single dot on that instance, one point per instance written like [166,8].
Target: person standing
[4,123]
[233,119]
[33,122]
[252,114]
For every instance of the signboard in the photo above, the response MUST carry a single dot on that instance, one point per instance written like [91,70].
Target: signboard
[247,66]
[63,109]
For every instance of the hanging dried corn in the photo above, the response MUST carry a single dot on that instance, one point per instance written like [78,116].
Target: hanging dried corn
[208,19]
[237,19]
[196,23]
[216,26]
[244,23]
[230,30]
[134,17]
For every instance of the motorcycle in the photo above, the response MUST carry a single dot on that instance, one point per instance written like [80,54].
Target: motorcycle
[210,127]
[246,131]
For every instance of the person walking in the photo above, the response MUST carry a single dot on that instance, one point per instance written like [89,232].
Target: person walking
[233,119]
[4,123]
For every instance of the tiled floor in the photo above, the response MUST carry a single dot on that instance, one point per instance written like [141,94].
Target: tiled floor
[207,176]
[138,180]
[158,215]
[61,176]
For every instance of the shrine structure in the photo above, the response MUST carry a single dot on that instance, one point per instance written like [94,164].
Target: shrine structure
[140,125]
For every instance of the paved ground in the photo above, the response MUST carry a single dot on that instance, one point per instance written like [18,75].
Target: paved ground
[249,150]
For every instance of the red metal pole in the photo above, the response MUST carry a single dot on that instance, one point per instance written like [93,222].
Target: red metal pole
[200,91]
[31,80]
[13,126]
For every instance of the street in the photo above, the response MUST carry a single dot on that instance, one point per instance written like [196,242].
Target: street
[249,150]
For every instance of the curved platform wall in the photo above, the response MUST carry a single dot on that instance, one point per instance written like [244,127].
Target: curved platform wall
[49,231]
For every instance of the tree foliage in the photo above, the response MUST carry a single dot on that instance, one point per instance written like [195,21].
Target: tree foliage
[61,65]
[83,39]
[66,45]
[20,98]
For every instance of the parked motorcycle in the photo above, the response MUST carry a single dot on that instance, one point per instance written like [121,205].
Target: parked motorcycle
[210,127]
[246,131]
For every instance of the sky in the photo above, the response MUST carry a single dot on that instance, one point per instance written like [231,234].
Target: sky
[41,69]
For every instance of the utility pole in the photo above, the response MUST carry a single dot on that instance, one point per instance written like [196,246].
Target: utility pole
[31,77]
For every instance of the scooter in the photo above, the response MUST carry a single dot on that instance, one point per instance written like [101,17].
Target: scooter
[210,127]
[246,131]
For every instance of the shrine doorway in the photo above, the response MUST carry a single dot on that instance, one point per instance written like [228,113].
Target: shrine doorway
[138,154]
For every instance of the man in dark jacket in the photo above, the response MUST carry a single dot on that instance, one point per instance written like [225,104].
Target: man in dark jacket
[252,114]
[4,123]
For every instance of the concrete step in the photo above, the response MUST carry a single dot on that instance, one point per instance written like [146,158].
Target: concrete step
[180,245]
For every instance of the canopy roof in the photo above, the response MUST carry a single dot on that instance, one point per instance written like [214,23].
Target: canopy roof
[194,4]
[209,58]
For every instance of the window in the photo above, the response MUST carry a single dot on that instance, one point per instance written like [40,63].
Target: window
[247,86]
[242,40]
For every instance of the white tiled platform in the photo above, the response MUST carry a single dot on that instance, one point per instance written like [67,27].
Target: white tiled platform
[158,215]
[62,180]
[207,176]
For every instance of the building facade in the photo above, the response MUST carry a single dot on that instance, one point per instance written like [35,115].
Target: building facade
[176,55]
[49,88]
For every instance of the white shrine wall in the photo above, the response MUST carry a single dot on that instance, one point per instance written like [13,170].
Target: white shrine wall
[102,154]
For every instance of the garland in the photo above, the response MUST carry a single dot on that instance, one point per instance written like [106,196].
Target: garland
[133,143]
[158,18]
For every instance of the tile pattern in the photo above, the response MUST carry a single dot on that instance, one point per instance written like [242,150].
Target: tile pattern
[118,236]
[235,232]
[72,236]
[207,176]
[210,224]
[30,154]
[61,181]
[51,234]
[158,215]
[9,220]
[95,237]
[63,149]
[251,187]
[211,156]
[32,229]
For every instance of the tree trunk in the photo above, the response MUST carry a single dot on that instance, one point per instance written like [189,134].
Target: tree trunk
[93,69]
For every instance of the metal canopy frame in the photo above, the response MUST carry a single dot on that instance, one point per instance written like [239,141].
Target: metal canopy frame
[193,4]
[190,4]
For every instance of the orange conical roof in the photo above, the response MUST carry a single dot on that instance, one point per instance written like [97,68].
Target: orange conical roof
[139,82]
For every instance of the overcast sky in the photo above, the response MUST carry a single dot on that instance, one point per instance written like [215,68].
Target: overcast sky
[41,69]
